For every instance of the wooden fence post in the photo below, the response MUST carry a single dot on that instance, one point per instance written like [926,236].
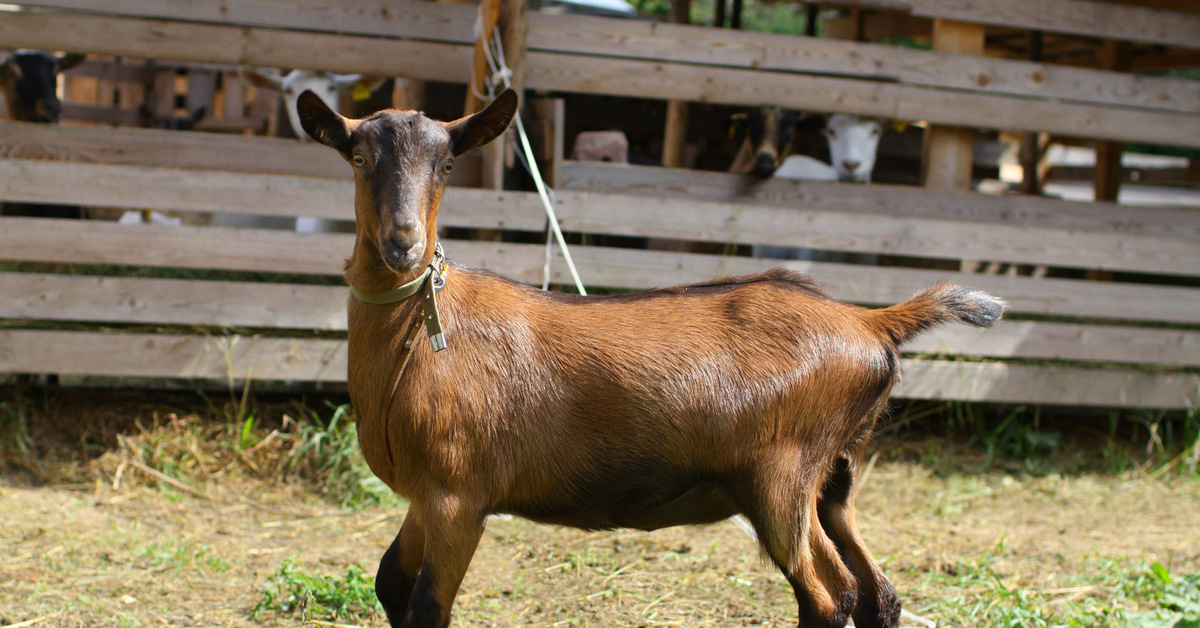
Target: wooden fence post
[1106,179]
[675,133]
[950,151]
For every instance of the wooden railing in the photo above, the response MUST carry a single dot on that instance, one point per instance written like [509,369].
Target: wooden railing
[74,302]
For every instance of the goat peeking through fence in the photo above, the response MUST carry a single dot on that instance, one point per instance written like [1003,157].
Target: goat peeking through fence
[754,395]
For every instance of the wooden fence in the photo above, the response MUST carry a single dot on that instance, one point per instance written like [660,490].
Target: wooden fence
[75,302]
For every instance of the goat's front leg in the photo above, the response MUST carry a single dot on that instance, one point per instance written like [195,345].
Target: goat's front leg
[399,567]
[452,532]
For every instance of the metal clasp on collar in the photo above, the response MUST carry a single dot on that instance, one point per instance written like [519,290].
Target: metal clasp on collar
[437,281]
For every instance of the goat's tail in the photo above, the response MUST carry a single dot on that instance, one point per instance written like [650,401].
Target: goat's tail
[938,304]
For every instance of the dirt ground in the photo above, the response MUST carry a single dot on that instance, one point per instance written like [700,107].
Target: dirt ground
[150,554]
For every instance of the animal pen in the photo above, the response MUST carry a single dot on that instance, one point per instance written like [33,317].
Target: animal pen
[1111,318]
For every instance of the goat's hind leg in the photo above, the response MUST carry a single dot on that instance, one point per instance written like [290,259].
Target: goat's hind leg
[878,605]
[398,568]
[782,508]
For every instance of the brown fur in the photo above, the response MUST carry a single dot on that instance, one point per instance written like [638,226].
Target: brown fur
[685,405]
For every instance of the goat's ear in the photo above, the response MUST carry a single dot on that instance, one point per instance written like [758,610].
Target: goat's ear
[257,78]
[10,71]
[323,124]
[69,60]
[477,129]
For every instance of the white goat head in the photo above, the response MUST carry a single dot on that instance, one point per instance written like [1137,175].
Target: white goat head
[853,143]
[327,85]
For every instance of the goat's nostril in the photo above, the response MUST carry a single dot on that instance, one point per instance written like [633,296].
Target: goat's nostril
[851,166]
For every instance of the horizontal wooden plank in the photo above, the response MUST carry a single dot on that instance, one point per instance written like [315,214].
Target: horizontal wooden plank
[239,357]
[627,268]
[1023,383]
[175,189]
[171,301]
[169,149]
[896,201]
[186,151]
[576,73]
[235,45]
[97,242]
[62,241]
[288,306]
[644,39]
[410,20]
[878,233]
[604,213]
[172,356]
[1106,20]
[1059,341]
[640,39]
[677,81]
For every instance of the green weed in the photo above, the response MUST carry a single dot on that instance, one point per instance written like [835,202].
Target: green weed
[293,590]
[16,444]
[327,454]
[1177,602]
[181,555]
[1105,594]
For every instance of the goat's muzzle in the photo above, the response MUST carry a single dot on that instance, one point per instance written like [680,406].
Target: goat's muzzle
[403,249]
[46,111]
[764,165]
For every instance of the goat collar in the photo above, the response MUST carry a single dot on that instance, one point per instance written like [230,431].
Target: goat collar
[431,281]
[437,269]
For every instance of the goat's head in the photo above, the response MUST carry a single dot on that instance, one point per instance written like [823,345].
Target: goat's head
[326,85]
[771,131]
[853,143]
[29,80]
[401,161]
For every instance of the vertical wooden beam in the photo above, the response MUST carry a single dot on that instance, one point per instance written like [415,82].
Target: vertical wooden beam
[950,151]
[675,133]
[735,15]
[719,13]
[1106,179]
[490,13]
[1031,150]
[514,30]
[549,126]
[510,18]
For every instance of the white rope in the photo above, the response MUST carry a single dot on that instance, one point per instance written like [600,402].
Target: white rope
[502,73]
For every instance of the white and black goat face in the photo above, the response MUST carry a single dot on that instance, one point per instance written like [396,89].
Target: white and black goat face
[326,85]
[853,143]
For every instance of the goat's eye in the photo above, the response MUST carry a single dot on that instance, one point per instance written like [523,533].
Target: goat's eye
[360,161]
[448,166]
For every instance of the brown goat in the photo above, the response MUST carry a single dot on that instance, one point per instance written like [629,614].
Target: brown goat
[754,395]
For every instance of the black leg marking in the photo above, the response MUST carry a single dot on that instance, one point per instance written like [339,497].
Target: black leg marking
[392,586]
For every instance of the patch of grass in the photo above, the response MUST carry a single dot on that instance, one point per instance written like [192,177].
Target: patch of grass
[295,591]
[981,591]
[306,445]
[180,555]
[1177,602]
[973,438]
[326,452]
[16,443]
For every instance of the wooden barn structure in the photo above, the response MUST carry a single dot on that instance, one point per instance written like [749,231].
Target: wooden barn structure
[1113,321]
